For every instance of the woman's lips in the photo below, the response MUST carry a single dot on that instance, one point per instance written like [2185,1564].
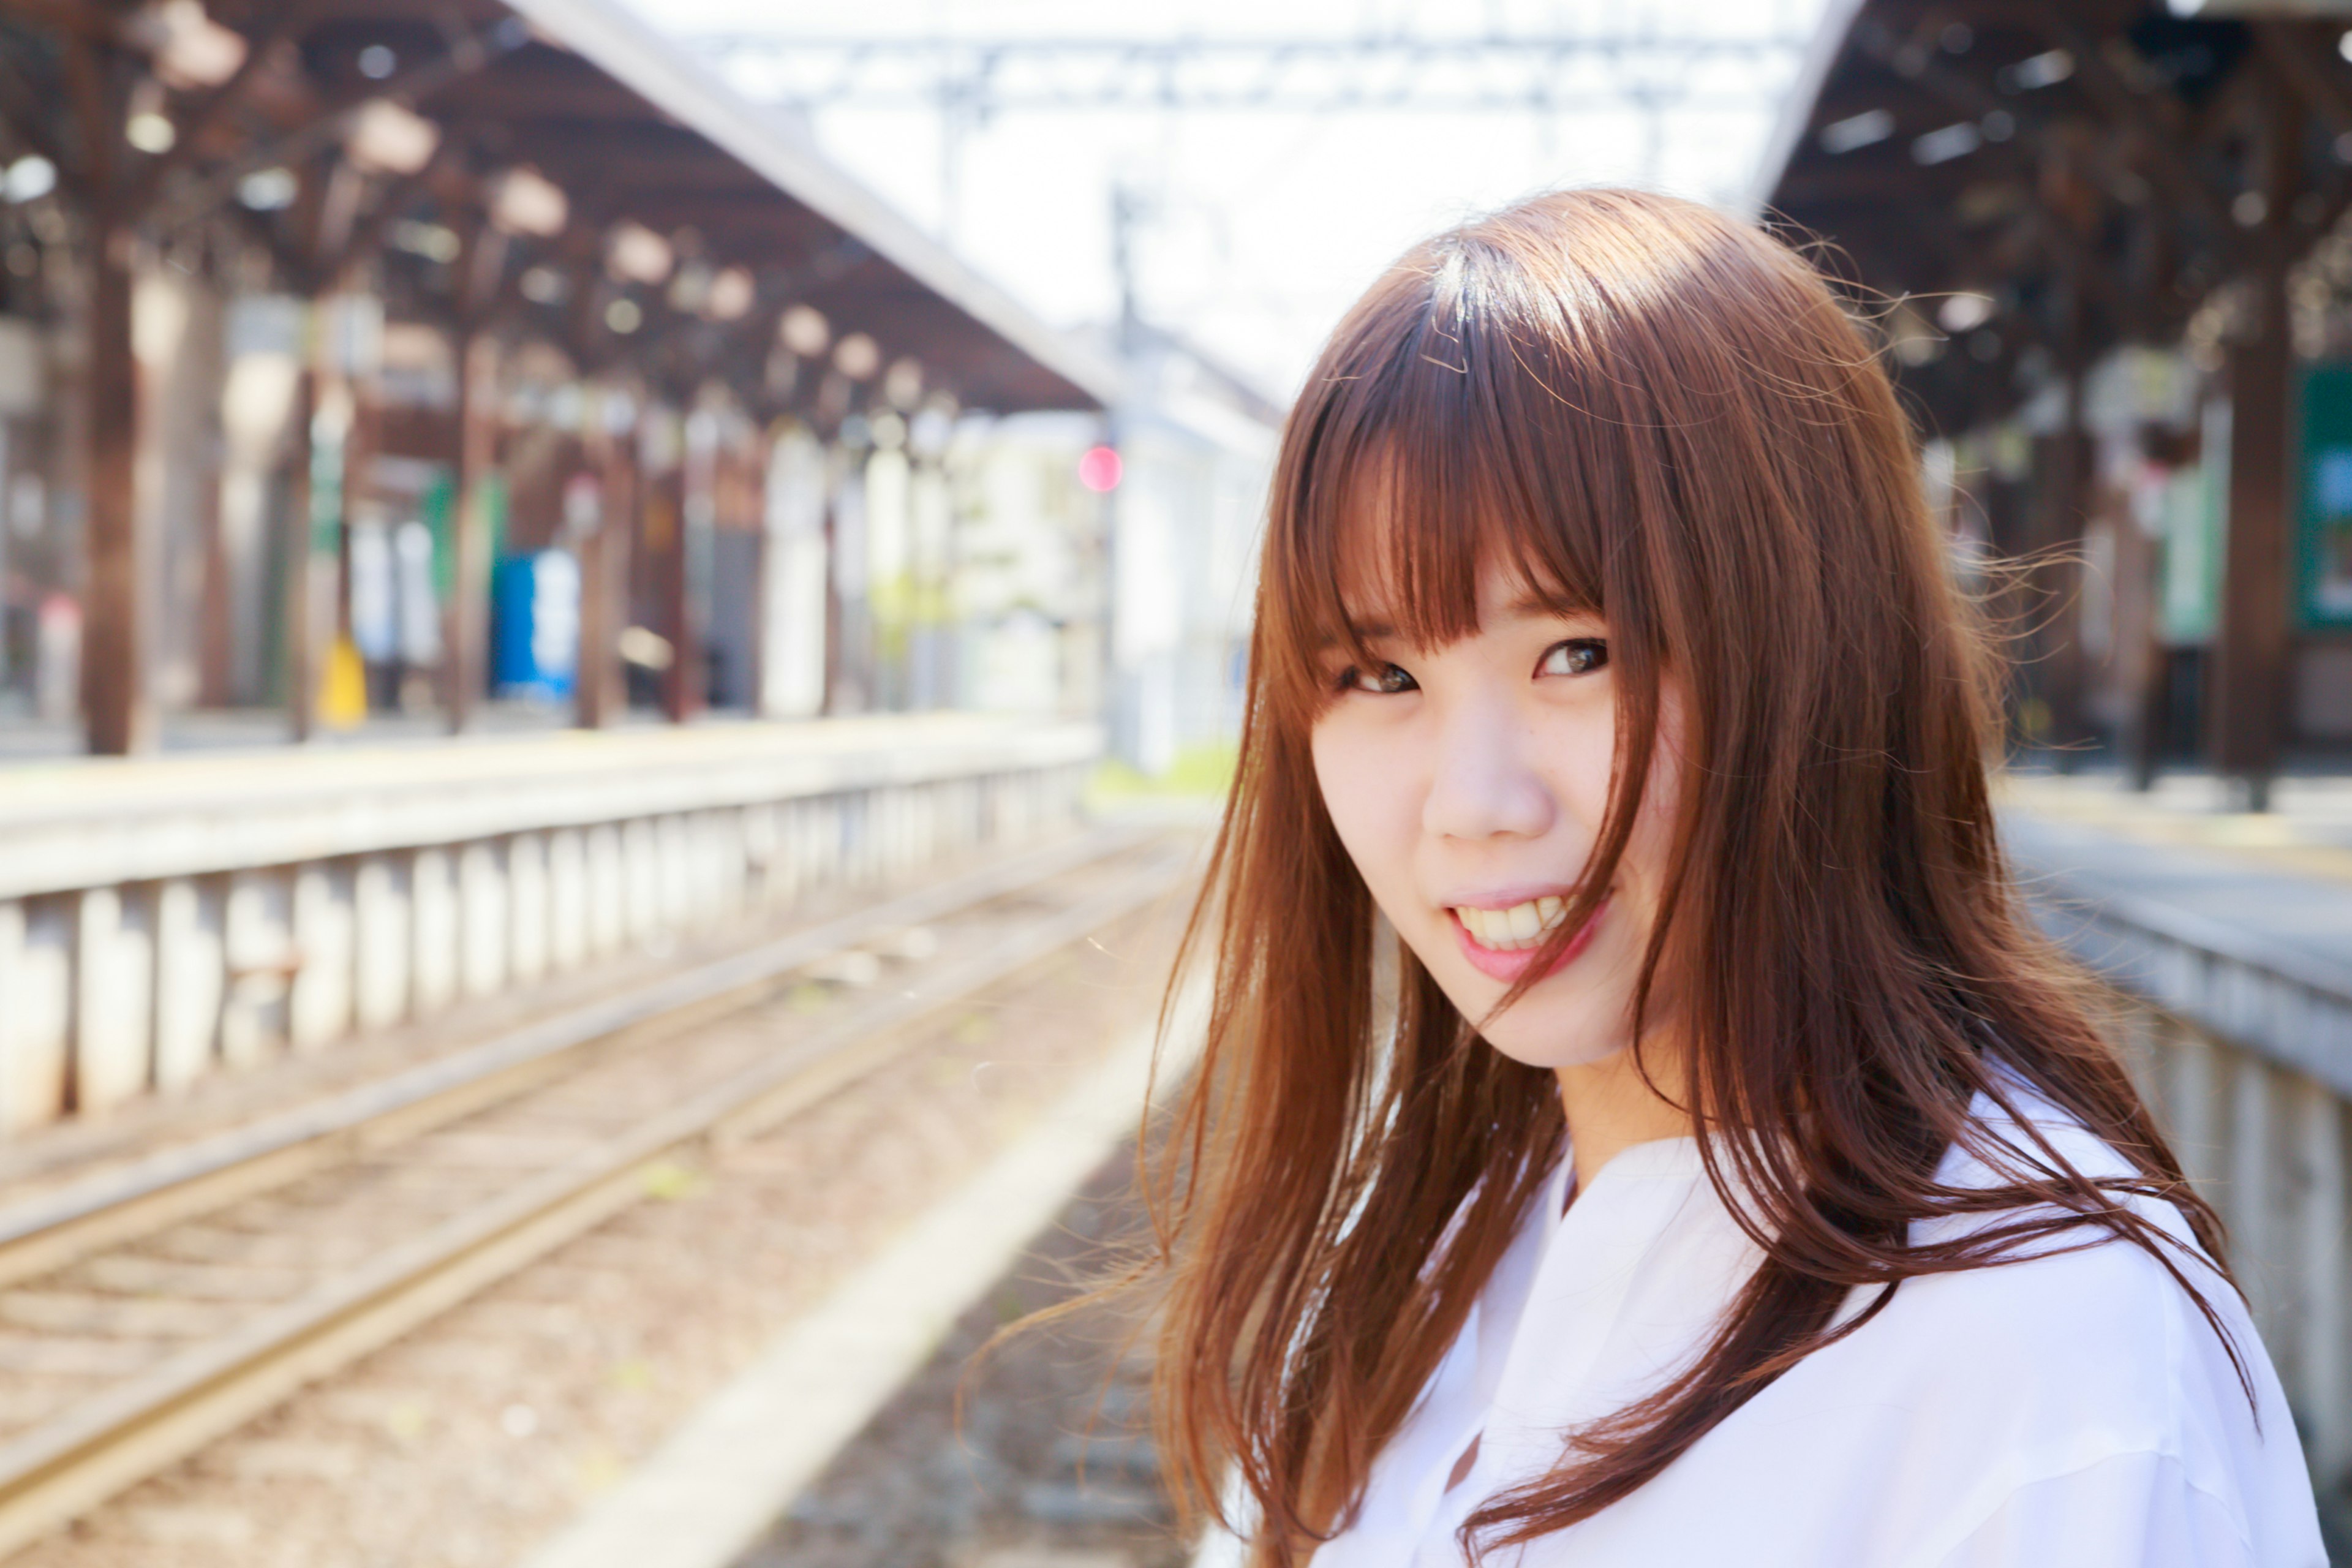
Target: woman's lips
[1508,967]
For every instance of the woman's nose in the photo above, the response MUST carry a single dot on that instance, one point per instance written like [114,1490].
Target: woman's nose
[1482,783]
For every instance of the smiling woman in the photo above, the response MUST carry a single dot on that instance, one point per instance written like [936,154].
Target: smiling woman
[1731,1173]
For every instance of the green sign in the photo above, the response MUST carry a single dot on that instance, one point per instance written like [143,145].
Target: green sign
[439,507]
[2190,580]
[326,488]
[2323,551]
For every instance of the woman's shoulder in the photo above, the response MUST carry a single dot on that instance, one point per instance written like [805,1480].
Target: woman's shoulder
[2082,1383]
[2089,1355]
[2080,1314]
[2077,1397]
[2079,1384]
[2082,1318]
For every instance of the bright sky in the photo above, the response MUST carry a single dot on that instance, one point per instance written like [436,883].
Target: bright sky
[1261,227]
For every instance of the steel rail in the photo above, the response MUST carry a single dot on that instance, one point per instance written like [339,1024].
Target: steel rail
[64,1466]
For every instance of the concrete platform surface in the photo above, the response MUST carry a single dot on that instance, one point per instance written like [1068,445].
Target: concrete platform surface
[2236,907]
[82,786]
[88,821]
[2307,832]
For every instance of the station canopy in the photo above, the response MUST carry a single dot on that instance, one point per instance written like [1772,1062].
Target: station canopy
[2028,186]
[565,122]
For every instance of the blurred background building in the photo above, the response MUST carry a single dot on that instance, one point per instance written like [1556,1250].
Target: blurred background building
[383,367]
[2110,246]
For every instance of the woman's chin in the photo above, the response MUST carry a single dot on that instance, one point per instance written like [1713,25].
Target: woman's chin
[1553,1045]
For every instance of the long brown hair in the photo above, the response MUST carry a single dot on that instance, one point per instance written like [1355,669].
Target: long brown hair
[1669,418]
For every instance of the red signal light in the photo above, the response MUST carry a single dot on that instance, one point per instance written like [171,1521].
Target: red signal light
[1099,469]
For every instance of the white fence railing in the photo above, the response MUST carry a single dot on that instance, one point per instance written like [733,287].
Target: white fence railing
[163,920]
[2244,1049]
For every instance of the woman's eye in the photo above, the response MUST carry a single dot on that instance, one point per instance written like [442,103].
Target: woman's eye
[1387,679]
[1578,655]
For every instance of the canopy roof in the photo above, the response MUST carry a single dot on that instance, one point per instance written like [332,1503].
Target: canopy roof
[2095,169]
[627,127]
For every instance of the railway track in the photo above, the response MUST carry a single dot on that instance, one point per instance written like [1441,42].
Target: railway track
[154,1308]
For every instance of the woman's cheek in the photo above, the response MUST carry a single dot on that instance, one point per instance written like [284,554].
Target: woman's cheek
[1348,780]
[1368,792]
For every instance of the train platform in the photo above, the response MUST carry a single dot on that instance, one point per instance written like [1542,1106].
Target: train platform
[165,919]
[28,738]
[2272,887]
[2307,832]
[404,762]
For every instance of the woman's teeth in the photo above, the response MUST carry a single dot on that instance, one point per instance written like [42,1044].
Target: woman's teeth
[1515,930]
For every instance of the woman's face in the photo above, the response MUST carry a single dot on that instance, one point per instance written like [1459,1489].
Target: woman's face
[1469,784]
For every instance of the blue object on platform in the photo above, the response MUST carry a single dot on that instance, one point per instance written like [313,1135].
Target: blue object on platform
[535,620]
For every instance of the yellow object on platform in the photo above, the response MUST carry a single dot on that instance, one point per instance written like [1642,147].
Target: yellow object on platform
[343,694]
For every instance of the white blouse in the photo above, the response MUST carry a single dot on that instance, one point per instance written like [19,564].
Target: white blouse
[2073,1408]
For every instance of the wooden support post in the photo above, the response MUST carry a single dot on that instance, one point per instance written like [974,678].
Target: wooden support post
[687,687]
[118,707]
[469,611]
[600,696]
[2247,694]
[2249,672]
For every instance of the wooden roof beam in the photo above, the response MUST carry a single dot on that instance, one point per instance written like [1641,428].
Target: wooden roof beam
[2294,50]
[281,23]
[64,17]
[198,195]
[20,111]
[2157,121]
[2066,244]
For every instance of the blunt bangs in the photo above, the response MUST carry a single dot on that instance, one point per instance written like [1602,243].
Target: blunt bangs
[1461,418]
